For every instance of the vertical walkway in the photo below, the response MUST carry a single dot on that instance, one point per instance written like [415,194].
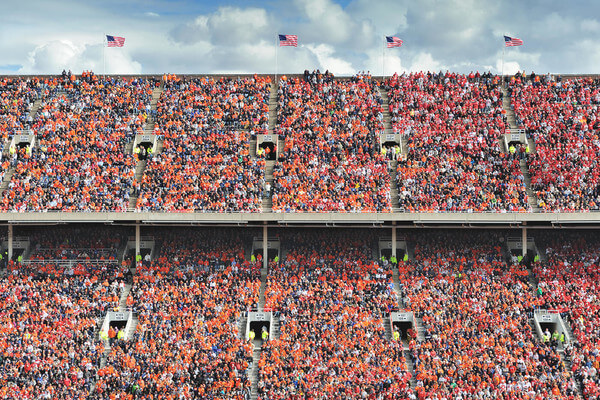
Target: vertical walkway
[256,354]
[128,334]
[267,201]
[270,164]
[418,327]
[148,130]
[392,164]
[512,124]
[151,121]
[273,98]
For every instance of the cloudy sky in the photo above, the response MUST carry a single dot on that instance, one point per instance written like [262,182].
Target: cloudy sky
[344,36]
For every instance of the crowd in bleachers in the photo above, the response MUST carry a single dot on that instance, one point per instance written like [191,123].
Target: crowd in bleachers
[569,283]
[333,302]
[17,97]
[562,116]
[453,124]
[79,162]
[478,342]
[206,125]
[330,161]
[75,243]
[187,342]
[49,348]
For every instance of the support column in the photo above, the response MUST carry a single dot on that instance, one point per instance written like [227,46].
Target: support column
[394,244]
[524,242]
[10,242]
[265,250]
[137,240]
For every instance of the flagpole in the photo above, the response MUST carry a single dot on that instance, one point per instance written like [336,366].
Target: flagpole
[276,61]
[503,49]
[104,57]
[383,59]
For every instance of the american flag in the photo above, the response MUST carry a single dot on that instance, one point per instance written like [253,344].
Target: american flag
[288,40]
[115,41]
[511,41]
[393,41]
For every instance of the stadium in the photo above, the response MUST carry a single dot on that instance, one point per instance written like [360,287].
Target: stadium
[305,236]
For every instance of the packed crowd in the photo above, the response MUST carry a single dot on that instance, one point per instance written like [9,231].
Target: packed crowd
[330,161]
[333,303]
[187,344]
[48,343]
[478,342]
[75,242]
[205,165]
[453,124]
[563,116]
[17,97]
[79,162]
[569,283]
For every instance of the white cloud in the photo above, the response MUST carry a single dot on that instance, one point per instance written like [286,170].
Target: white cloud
[56,55]
[425,62]
[460,35]
[388,18]
[590,25]
[228,26]
[325,56]
[509,67]
[326,20]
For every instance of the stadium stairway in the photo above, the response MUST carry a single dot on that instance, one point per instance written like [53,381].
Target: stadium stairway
[396,282]
[506,105]
[276,328]
[567,360]
[124,295]
[420,329]
[512,124]
[387,117]
[252,148]
[151,122]
[34,110]
[387,121]
[393,167]
[6,179]
[148,129]
[270,164]
[388,329]
[266,201]
[254,369]
[263,285]
[393,164]
[273,108]
[531,197]
[411,368]
[242,326]
[139,174]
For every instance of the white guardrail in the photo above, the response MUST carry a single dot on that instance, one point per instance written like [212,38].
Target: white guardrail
[162,217]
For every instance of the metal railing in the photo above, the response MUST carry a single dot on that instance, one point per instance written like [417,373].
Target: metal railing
[68,263]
